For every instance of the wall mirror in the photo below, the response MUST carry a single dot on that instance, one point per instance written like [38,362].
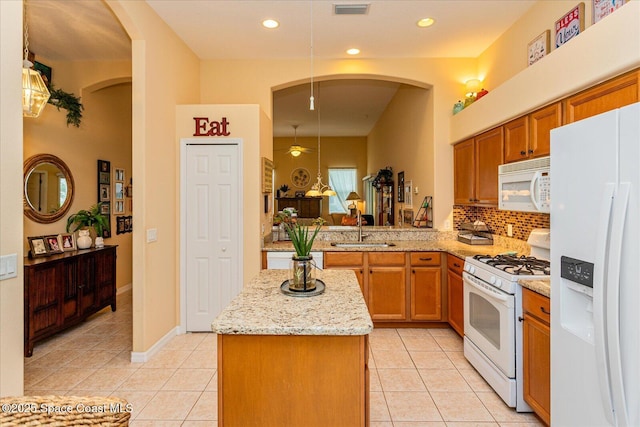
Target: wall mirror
[48,188]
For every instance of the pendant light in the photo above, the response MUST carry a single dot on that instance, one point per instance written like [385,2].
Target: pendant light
[319,188]
[311,98]
[34,92]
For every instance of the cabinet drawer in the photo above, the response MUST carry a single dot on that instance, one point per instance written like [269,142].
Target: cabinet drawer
[455,264]
[425,258]
[386,258]
[341,259]
[537,305]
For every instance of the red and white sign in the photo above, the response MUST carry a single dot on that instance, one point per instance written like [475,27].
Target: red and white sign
[570,25]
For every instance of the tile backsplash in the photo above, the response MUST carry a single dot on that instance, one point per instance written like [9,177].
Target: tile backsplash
[497,220]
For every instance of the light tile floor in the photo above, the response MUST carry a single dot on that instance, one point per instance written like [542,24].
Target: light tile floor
[419,377]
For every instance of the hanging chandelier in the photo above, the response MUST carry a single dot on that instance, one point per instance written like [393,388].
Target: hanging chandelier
[319,188]
[34,92]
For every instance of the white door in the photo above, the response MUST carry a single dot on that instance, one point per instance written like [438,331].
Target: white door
[212,216]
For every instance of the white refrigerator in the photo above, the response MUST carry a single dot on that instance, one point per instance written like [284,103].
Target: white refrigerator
[595,271]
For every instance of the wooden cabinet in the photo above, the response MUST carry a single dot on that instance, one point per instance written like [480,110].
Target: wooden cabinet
[529,136]
[537,354]
[463,177]
[306,207]
[455,295]
[475,166]
[387,286]
[426,286]
[62,290]
[615,93]
[348,261]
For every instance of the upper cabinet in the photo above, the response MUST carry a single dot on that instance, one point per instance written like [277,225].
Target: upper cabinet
[529,136]
[615,93]
[475,166]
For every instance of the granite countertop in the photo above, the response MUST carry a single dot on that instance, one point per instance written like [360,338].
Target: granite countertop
[540,286]
[261,309]
[453,247]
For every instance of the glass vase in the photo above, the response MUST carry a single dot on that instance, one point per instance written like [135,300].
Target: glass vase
[302,274]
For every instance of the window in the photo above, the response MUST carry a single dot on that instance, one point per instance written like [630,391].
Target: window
[343,182]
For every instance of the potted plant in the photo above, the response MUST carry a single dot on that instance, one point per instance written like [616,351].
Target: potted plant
[92,218]
[302,272]
[282,191]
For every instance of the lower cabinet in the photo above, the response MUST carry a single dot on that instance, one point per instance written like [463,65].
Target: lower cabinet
[455,295]
[537,353]
[397,286]
[62,290]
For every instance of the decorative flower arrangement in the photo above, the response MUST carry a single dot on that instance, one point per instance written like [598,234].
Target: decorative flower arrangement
[301,238]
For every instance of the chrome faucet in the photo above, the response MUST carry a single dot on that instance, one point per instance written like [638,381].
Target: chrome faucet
[359,223]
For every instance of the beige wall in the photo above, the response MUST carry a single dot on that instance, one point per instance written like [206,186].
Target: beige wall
[165,74]
[335,152]
[105,133]
[245,122]
[235,81]
[604,50]
[11,295]
[403,139]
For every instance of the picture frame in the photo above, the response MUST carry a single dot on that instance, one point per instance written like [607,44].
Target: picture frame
[119,190]
[67,242]
[401,187]
[104,193]
[569,25]
[45,72]
[53,244]
[300,177]
[300,193]
[267,175]
[118,175]
[37,246]
[603,8]
[105,209]
[408,198]
[407,216]
[539,47]
[118,208]
[104,178]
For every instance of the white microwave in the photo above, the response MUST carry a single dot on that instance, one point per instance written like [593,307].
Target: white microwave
[525,186]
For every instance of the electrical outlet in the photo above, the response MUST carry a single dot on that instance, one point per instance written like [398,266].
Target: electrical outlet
[415,190]
[509,230]
[447,224]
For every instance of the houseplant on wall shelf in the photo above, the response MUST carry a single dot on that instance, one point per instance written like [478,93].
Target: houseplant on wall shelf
[61,99]
[302,272]
[91,218]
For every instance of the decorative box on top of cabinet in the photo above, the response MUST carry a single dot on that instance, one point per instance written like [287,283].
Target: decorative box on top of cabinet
[63,290]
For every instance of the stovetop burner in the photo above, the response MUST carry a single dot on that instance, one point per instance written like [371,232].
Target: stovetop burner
[522,265]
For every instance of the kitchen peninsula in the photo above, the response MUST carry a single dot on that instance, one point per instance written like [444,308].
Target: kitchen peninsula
[286,360]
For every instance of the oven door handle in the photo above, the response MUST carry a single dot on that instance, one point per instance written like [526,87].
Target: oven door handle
[487,292]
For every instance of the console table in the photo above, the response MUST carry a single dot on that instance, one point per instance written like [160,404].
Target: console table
[306,207]
[63,290]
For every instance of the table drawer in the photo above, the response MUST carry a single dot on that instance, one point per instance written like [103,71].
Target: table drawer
[386,258]
[455,264]
[343,259]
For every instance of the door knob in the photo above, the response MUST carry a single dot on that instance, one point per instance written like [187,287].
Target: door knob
[224,249]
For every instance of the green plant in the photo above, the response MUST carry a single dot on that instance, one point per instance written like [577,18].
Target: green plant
[89,218]
[301,238]
[61,99]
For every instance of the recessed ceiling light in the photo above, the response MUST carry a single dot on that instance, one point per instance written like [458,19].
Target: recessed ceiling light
[270,23]
[353,51]
[425,22]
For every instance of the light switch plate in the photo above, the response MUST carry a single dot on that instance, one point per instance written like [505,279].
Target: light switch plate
[152,235]
[8,266]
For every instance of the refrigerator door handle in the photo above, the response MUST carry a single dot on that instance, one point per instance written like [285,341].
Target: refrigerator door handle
[599,309]
[612,292]
[532,190]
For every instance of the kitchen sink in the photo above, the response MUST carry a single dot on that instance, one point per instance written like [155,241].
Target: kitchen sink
[362,244]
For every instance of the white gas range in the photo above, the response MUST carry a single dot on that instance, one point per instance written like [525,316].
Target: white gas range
[493,313]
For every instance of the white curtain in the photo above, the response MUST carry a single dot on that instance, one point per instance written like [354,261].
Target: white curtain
[343,182]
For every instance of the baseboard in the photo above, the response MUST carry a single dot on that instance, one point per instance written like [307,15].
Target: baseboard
[145,356]
[123,289]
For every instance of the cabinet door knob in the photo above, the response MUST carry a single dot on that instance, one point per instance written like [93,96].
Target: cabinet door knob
[542,309]
[455,264]
[522,153]
[370,271]
[413,271]
[530,151]
[426,259]
[520,319]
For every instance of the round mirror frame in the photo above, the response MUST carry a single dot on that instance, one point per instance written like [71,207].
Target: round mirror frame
[29,165]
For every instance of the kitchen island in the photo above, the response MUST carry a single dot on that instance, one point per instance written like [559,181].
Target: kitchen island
[294,361]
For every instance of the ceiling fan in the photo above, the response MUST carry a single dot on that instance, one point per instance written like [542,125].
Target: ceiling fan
[295,150]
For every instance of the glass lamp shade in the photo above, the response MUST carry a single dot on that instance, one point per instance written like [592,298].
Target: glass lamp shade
[329,192]
[313,193]
[34,93]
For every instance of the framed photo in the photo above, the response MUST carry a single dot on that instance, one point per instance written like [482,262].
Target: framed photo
[105,209]
[603,8]
[128,190]
[570,25]
[119,175]
[119,225]
[37,246]
[104,193]
[53,244]
[104,178]
[408,198]
[104,166]
[119,186]
[67,242]
[128,224]
[118,207]
[300,193]
[538,48]
[401,187]
[407,216]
